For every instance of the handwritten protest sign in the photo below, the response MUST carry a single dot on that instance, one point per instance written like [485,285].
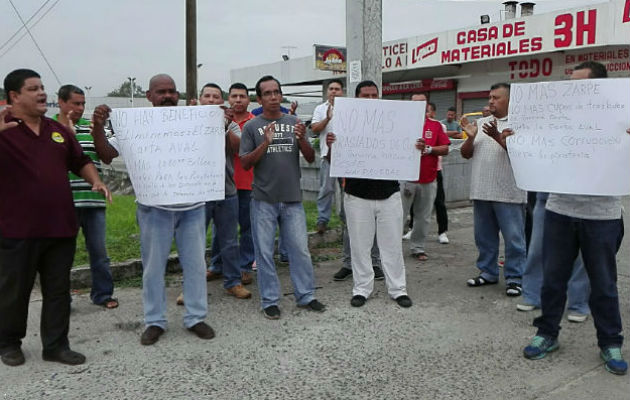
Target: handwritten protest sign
[570,136]
[174,155]
[376,138]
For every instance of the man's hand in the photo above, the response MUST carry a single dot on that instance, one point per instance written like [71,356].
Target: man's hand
[470,128]
[300,130]
[491,130]
[330,139]
[229,113]
[270,130]
[627,131]
[294,106]
[101,115]
[68,122]
[420,145]
[6,125]
[102,188]
[329,111]
[193,102]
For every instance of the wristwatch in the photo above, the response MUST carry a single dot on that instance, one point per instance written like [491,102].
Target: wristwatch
[428,149]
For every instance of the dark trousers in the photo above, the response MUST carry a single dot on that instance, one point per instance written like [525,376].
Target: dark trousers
[440,206]
[20,261]
[599,241]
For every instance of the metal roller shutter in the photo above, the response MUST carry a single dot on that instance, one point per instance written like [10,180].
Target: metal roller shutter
[443,99]
[474,105]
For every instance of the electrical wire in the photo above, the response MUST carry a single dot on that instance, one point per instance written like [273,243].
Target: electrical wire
[21,27]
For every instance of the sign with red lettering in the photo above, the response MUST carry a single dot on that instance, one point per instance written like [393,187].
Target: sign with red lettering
[394,55]
[424,85]
[330,58]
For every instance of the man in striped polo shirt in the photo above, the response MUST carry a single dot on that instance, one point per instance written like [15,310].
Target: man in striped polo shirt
[89,205]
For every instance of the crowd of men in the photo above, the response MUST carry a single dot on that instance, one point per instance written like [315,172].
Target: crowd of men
[572,249]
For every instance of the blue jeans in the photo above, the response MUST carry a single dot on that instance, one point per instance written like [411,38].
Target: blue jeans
[157,229]
[92,223]
[326,193]
[245,244]
[599,241]
[290,216]
[579,287]
[508,218]
[224,213]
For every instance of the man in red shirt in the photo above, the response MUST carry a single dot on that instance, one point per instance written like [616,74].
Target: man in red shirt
[421,194]
[38,224]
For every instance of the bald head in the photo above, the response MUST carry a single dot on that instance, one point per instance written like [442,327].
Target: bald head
[418,97]
[162,91]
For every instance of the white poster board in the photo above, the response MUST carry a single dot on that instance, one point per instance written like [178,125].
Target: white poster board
[174,155]
[376,139]
[570,136]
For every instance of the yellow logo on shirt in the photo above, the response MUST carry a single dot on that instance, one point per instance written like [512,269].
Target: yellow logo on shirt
[57,137]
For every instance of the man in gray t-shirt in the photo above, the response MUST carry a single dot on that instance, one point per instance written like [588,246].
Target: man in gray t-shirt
[271,143]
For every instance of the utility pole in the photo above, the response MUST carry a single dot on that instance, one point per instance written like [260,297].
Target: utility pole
[364,43]
[191,50]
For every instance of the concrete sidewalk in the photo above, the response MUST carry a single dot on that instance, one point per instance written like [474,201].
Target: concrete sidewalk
[454,343]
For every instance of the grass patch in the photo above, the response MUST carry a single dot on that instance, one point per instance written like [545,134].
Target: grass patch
[123,233]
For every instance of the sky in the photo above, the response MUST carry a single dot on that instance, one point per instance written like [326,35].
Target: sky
[100,43]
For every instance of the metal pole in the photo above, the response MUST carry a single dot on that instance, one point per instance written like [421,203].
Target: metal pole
[364,42]
[191,50]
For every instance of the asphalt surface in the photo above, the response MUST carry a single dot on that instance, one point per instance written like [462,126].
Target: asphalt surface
[454,343]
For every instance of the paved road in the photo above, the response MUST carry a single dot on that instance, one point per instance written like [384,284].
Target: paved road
[454,343]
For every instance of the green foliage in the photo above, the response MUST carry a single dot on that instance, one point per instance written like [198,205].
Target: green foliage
[2,94]
[125,90]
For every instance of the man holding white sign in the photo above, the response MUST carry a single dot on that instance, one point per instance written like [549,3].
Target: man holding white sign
[159,223]
[498,204]
[373,205]
[271,144]
[594,226]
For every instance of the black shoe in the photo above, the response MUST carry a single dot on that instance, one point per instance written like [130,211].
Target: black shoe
[202,330]
[151,335]
[284,258]
[314,305]
[321,227]
[272,312]
[65,356]
[403,301]
[13,357]
[357,301]
[343,274]
[378,273]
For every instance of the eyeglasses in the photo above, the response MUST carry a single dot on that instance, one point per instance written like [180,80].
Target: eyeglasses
[271,93]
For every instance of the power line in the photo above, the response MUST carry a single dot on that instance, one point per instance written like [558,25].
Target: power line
[35,42]
[21,27]
[32,26]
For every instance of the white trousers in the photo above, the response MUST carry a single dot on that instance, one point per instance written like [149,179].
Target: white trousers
[364,219]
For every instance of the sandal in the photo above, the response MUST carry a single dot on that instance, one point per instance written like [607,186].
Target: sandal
[422,256]
[513,289]
[480,281]
[109,303]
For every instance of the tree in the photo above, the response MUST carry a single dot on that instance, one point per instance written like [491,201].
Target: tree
[125,90]
[2,94]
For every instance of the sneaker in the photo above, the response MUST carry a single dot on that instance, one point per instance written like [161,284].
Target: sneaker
[539,347]
[239,292]
[321,227]
[272,312]
[213,275]
[442,238]
[403,301]
[526,307]
[343,274]
[576,317]
[314,305]
[246,278]
[378,274]
[357,301]
[407,236]
[614,362]
[13,357]
[513,289]
[202,330]
[65,356]
[180,299]
[151,335]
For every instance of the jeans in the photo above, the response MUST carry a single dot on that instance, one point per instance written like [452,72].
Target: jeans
[509,218]
[92,223]
[245,244]
[441,214]
[599,241]
[224,213]
[292,220]
[420,196]
[579,286]
[326,194]
[383,218]
[157,229]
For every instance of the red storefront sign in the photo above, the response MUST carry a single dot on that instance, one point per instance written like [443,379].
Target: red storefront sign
[424,85]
